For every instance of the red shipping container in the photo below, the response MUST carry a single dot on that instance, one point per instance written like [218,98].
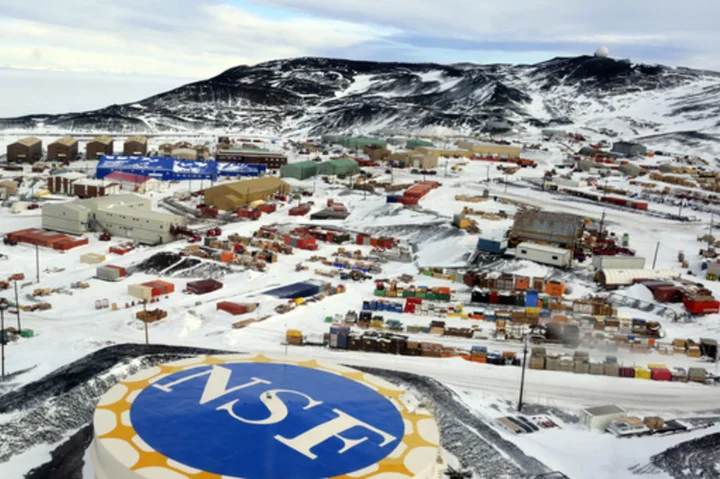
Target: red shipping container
[407,201]
[204,286]
[268,208]
[409,308]
[233,308]
[123,273]
[494,297]
[701,307]
[413,300]
[298,211]
[360,239]
[661,374]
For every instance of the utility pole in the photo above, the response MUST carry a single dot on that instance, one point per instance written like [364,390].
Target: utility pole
[710,236]
[602,225]
[17,308]
[506,181]
[37,262]
[446,165]
[488,173]
[3,306]
[522,377]
[145,320]
[657,248]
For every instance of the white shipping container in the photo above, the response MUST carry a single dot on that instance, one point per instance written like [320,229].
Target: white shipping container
[139,291]
[618,262]
[544,254]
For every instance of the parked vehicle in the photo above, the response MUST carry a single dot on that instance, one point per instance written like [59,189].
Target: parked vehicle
[33,206]
[105,237]
[194,239]
[627,427]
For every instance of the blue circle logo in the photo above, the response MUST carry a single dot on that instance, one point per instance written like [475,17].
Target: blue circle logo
[267,421]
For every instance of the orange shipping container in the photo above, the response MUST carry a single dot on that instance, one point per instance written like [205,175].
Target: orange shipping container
[522,283]
[443,290]
[226,256]
[555,288]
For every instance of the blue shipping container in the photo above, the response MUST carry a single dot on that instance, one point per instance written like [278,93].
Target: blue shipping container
[531,298]
[491,246]
[295,290]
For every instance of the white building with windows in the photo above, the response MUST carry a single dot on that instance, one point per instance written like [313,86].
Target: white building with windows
[127,216]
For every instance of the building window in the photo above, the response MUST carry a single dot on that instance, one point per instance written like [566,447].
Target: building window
[555,257]
[523,251]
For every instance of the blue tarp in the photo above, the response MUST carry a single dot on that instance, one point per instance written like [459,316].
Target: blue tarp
[166,169]
[295,290]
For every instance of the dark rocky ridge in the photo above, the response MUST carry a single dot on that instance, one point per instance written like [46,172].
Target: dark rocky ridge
[321,95]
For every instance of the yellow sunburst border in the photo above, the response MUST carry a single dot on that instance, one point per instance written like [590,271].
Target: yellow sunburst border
[419,433]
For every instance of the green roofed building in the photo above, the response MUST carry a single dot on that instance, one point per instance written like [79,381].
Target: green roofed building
[300,170]
[358,143]
[341,167]
[415,143]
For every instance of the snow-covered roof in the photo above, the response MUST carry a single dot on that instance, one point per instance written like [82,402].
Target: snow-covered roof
[544,248]
[604,410]
[628,276]
[127,177]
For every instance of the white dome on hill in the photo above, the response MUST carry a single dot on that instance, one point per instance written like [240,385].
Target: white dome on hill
[602,52]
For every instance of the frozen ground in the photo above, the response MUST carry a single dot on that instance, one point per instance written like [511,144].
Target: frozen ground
[37,418]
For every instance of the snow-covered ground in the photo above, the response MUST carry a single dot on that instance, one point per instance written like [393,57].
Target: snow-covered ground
[73,328]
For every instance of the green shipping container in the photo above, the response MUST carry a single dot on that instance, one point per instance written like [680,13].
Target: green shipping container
[328,319]
[431,296]
[428,272]
[408,294]
[443,297]
[545,302]
[420,294]
[27,333]
[380,292]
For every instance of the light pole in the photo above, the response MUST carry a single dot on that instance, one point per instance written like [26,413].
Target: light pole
[3,306]
[522,376]
[37,262]
[145,320]
[17,308]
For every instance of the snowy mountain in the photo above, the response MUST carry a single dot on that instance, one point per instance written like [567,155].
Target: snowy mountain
[310,96]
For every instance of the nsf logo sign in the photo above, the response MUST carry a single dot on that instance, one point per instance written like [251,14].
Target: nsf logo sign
[267,421]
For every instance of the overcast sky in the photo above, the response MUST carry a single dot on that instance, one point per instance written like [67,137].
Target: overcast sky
[72,55]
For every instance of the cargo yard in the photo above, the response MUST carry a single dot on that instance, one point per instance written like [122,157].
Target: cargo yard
[544,297]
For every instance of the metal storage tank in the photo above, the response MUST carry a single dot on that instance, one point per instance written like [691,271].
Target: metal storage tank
[63,149]
[300,170]
[25,150]
[259,417]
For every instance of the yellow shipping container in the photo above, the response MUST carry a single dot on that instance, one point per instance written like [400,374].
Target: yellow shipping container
[300,301]
[293,333]
[376,324]
[532,310]
[656,366]
[463,223]
[41,193]
[642,373]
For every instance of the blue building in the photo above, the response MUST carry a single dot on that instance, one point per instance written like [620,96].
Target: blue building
[168,169]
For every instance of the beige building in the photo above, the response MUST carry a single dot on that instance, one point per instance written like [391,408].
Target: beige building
[376,153]
[233,195]
[126,216]
[448,152]
[184,153]
[490,149]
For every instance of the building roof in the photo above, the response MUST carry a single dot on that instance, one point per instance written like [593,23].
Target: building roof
[344,162]
[249,186]
[544,248]
[29,141]
[70,175]
[299,164]
[127,177]
[547,225]
[137,139]
[604,410]
[138,213]
[627,276]
[66,140]
[93,182]
[105,140]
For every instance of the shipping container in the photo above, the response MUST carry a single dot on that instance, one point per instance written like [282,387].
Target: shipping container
[203,286]
[618,262]
[544,254]
[492,246]
[140,291]
[295,290]
[235,309]
[110,272]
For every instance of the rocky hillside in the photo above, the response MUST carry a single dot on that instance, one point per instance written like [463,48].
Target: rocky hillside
[309,96]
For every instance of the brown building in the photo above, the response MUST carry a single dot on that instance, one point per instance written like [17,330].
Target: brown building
[253,157]
[62,183]
[99,146]
[203,152]
[135,146]
[233,195]
[26,150]
[63,149]
[376,153]
[165,149]
[89,188]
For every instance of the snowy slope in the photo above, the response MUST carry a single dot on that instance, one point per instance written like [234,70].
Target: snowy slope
[309,96]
